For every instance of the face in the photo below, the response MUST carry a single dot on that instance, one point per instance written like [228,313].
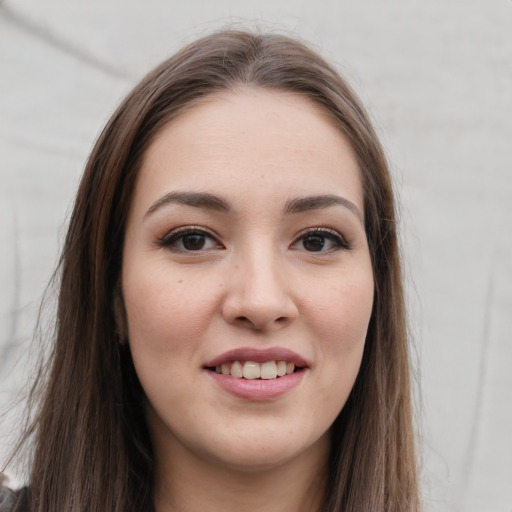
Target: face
[247,280]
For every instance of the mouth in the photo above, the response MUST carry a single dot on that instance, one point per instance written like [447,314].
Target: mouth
[252,363]
[253,370]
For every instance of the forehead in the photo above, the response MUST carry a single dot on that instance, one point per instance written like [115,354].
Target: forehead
[252,138]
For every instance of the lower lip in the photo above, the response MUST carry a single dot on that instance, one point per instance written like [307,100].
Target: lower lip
[257,389]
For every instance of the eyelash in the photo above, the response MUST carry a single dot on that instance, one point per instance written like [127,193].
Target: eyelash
[334,236]
[170,240]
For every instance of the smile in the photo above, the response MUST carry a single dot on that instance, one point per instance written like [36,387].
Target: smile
[254,370]
[255,373]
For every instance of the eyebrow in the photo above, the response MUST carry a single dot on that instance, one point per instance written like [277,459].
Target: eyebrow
[295,205]
[196,199]
[320,202]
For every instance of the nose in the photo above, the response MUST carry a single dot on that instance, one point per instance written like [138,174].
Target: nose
[258,295]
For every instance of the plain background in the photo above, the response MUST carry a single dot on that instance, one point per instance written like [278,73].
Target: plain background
[437,78]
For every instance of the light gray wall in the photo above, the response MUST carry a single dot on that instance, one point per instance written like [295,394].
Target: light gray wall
[437,76]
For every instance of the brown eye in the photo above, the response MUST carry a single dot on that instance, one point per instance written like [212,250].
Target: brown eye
[193,242]
[320,240]
[189,240]
[314,243]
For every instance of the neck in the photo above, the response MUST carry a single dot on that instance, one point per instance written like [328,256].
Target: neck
[198,485]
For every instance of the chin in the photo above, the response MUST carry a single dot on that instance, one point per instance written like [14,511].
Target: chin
[262,453]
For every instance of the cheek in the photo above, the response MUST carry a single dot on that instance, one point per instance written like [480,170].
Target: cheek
[167,312]
[340,315]
[342,309]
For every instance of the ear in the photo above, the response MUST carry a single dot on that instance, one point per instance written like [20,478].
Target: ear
[120,314]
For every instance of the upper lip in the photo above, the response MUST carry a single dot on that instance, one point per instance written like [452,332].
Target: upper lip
[258,355]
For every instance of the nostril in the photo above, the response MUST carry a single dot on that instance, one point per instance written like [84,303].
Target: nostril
[243,320]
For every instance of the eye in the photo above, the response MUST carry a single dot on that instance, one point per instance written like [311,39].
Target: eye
[189,239]
[320,240]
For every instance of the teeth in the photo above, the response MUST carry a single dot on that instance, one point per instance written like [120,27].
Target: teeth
[236,370]
[252,370]
[281,368]
[269,370]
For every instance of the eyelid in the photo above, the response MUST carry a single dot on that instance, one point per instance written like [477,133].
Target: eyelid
[333,234]
[173,235]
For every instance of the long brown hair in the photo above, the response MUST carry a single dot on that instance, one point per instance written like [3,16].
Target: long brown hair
[92,449]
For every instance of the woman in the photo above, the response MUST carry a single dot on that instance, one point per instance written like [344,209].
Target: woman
[230,331]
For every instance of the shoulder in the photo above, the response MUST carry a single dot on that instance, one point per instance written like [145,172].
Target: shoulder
[12,501]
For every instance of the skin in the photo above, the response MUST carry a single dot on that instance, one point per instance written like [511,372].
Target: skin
[254,280]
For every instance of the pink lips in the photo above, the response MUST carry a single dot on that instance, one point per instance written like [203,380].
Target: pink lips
[257,389]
